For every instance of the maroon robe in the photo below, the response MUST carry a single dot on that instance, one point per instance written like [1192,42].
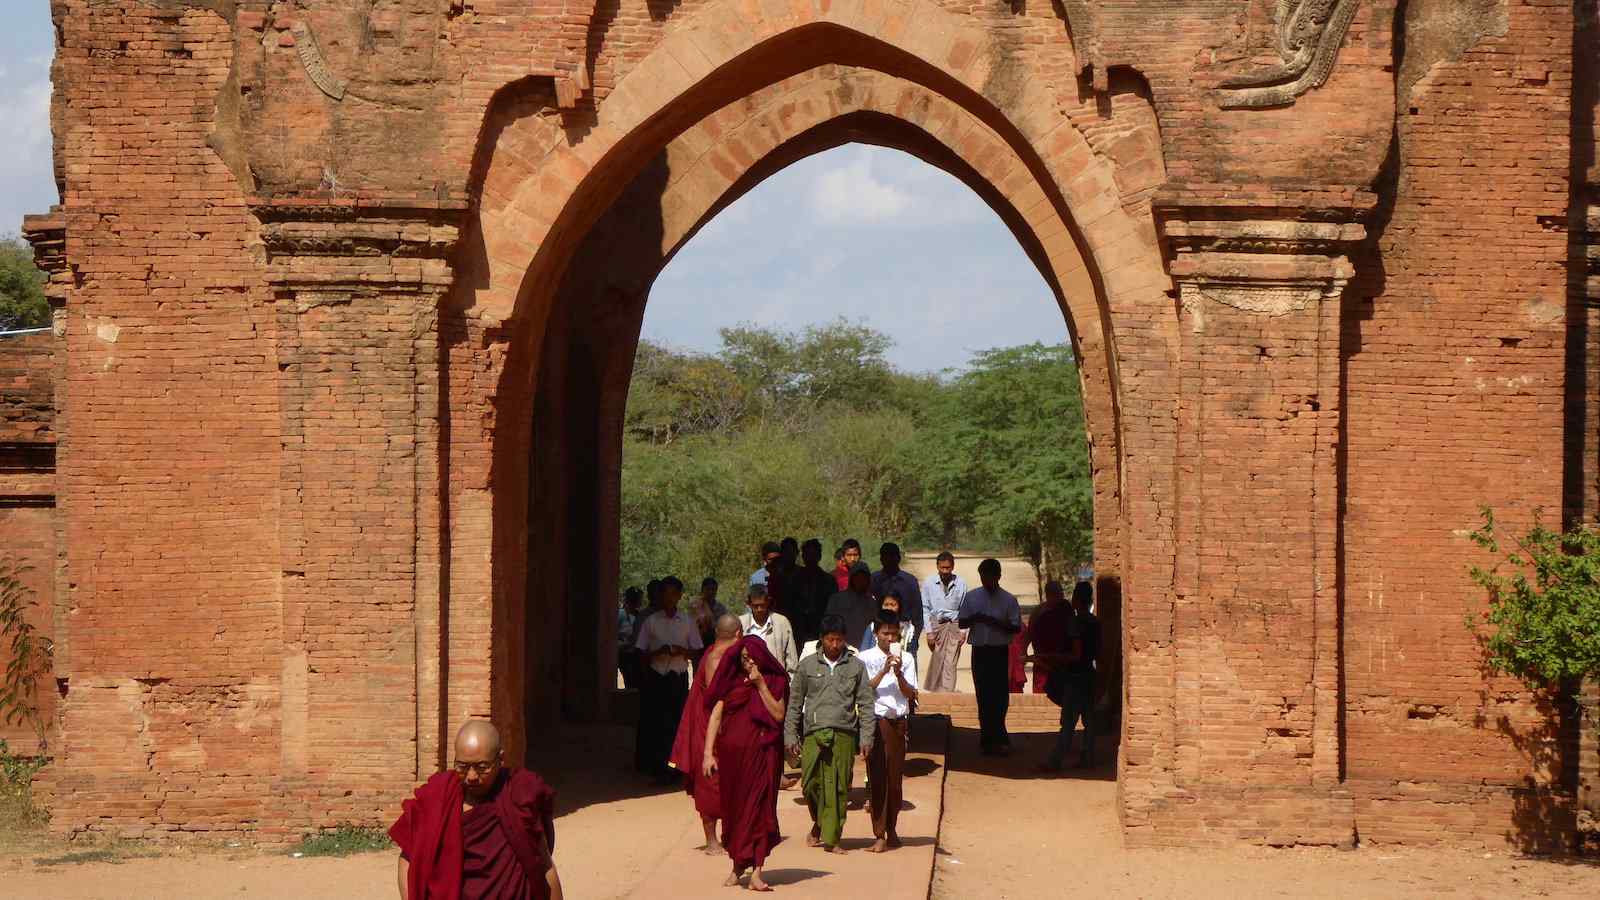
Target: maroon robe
[749,753]
[495,851]
[688,748]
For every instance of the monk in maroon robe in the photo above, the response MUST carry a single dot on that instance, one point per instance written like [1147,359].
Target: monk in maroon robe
[480,831]
[688,748]
[744,748]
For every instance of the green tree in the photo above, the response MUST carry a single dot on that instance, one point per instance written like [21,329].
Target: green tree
[814,434]
[676,394]
[1543,621]
[22,303]
[1004,456]
[790,372]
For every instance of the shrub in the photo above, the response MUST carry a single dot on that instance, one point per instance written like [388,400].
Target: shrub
[1543,621]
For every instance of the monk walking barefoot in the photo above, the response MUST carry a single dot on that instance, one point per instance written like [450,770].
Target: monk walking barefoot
[744,741]
[688,748]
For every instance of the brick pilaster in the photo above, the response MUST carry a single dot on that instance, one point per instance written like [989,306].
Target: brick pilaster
[1256,598]
[357,287]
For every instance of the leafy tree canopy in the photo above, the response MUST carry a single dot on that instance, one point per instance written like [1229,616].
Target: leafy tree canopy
[813,433]
[22,303]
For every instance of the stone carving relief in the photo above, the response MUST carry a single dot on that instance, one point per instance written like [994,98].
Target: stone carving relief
[1308,36]
[305,43]
[1267,299]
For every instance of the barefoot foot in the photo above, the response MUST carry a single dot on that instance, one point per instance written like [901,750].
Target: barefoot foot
[836,849]
[894,840]
[814,838]
[733,880]
[878,846]
[756,884]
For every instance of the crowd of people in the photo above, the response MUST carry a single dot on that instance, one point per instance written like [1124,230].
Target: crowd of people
[820,670]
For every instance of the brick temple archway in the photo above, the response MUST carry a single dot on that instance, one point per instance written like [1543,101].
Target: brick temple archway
[587,353]
[570,326]
[334,351]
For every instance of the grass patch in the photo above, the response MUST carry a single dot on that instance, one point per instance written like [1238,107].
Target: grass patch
[345,840]
[113,851]
[21,820]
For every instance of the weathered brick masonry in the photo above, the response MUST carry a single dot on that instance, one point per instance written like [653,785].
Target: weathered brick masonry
[350,294]
[27,495]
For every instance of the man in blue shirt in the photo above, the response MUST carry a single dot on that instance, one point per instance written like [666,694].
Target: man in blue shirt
[941,603]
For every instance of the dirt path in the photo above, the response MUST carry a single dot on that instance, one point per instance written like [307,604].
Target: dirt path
[616,838]
[1011,833]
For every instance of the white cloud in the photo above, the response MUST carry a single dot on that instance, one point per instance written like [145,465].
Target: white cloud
[852,193]
[26,108]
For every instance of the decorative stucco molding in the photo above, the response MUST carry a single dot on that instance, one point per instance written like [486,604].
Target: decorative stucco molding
[1243,260]
[1309,34]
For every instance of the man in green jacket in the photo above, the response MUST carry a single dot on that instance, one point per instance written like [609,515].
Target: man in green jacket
[830,706]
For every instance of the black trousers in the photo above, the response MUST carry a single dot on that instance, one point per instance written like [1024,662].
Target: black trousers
[991,680]
[661,699]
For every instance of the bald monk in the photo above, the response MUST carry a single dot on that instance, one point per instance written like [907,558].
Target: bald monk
[689,746]
[479,831]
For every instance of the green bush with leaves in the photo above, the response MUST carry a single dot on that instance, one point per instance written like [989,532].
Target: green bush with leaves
[1543,621]
[22,302]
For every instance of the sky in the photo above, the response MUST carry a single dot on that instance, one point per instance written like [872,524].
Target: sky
[872,235]
[26,45]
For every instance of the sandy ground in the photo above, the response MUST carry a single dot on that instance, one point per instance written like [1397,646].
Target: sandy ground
[1011,832]
[1007,832]
[616,837]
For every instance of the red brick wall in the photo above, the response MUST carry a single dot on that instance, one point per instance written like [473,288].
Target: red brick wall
[169,479]
[1454,346]
[28,518]
[295,489]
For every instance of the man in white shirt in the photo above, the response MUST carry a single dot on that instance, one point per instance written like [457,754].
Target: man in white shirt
[773,628]
[992,617]
[893,675]
[666,640]
[941,601]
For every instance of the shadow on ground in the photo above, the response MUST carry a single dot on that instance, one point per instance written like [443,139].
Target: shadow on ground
[1028,752]
[592,764]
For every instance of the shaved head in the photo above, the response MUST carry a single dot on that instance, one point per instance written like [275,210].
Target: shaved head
[478,758]
[728,627]
[478,735]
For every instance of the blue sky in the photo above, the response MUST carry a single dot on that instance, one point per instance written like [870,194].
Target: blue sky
[26,45]
[869,234]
